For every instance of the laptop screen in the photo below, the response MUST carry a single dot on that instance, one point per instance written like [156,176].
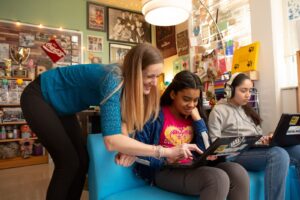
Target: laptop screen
[287,132]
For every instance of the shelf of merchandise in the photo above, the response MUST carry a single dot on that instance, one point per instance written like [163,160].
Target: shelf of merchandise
[9,105]
[16,140]
[13,123]
[21,162]
[14,78]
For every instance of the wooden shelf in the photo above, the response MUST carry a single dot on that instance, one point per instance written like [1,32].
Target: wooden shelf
[21,162]
[13,123]
[15,78]
[16,140]
[9,105]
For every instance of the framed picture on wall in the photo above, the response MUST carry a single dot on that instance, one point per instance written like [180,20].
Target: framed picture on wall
[94,43]
[166,41]
[96,17]
[117,52]
[127,26]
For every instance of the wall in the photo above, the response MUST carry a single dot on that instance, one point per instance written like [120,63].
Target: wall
[267,27]
[68,14]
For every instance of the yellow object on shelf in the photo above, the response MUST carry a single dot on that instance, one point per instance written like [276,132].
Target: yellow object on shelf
[245,58]
[19,81]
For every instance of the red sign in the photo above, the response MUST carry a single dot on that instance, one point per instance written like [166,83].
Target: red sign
[53,50]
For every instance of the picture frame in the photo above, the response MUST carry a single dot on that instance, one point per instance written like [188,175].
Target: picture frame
[127,26]
[166,40]
[94,43]
[96,17]
[117,52]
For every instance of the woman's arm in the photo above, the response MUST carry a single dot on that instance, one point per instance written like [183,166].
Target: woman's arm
[127,145]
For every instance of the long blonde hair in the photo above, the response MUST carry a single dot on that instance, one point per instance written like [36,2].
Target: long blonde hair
[138,108]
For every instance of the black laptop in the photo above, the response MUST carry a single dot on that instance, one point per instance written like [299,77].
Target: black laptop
[225,146]
[287,132]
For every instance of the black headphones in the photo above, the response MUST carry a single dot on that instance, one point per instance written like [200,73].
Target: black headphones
[228,89]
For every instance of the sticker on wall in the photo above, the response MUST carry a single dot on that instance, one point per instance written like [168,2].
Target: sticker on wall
[245,58]
[53,50]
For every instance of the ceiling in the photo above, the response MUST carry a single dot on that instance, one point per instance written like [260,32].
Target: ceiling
[135,5]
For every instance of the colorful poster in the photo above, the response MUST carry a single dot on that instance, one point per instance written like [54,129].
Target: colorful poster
[245,58]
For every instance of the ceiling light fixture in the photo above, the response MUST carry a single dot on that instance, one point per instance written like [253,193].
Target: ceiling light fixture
[166,12]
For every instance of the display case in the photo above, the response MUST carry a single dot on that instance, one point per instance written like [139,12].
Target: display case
[18,144]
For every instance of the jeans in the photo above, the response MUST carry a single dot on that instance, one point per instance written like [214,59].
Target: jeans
[294,152]
[275,161]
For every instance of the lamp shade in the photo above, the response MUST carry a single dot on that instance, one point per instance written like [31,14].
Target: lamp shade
[166,12]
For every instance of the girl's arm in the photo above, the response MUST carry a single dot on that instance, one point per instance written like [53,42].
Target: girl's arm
[214,125]
[200,130]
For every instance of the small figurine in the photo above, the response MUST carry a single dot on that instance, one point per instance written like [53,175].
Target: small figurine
[7,67]
[26,147]
[25,131]
[1,116]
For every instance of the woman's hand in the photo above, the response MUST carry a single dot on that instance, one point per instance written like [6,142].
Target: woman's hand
[195,114]
[182,151]
[124,160]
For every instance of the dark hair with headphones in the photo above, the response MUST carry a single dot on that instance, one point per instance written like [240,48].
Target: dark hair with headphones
[229,90]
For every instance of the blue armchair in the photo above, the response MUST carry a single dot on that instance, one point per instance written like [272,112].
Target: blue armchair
[108,181]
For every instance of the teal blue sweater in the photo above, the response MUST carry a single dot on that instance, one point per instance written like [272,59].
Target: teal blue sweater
[74,88]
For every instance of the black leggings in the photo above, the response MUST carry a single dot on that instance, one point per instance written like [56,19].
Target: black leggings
[225,181]
[62,137]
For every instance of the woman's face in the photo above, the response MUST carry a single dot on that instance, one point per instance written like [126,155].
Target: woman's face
[242,93]
[185,101]
[150,76]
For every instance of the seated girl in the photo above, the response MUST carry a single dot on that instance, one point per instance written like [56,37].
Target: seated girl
[181,121]
[233,116]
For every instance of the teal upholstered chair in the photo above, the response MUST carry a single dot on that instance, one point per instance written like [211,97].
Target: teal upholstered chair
[108,181]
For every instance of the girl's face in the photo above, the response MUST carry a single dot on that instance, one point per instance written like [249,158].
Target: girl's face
[150,76]
[184,101]
[242,93]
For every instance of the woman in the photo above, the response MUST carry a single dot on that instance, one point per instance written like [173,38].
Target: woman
[181,121]
[50,104]
[233,116]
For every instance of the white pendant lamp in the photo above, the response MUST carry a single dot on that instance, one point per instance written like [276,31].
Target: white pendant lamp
[166,12]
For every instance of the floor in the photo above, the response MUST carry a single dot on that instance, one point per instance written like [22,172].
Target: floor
[27,183]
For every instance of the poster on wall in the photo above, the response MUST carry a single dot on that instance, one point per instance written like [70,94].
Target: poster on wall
[127,26]
[94,59]
[181,63]
[4,51]
[165,40]
[96,17]
[294,9]
[26,40]
[95,43]
[117,52]
[182,43]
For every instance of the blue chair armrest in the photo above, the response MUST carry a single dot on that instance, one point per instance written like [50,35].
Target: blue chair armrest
[104,176]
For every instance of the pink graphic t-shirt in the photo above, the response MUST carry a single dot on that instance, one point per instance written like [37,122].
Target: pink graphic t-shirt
[175,131]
